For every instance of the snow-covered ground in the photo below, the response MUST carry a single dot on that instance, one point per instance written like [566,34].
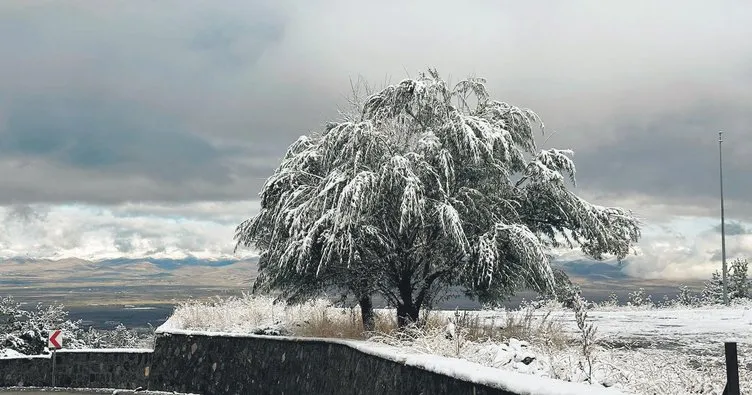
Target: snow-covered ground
[646,351]
[698,331]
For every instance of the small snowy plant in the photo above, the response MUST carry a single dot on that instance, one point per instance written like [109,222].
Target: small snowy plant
[25,331]
[738,284]
[587,336]
[685,297]
[612,301]
[429,186]
[639,298]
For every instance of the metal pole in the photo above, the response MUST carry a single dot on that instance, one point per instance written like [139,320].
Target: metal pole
[53,367]
[723,223]
[732,370]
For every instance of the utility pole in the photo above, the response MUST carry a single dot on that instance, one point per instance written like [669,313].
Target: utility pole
[723,223]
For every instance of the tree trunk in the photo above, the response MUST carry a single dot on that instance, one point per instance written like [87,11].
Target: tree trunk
[366,313]
[407,309]
[407,313]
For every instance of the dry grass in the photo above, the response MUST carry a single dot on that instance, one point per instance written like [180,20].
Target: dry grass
[341,323]
[526,324]
[318,318]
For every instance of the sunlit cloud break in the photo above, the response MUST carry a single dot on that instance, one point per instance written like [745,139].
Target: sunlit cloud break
[681,249]
[202,230]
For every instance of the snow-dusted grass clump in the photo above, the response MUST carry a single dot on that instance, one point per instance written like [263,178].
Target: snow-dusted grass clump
[264,315]
[242,314]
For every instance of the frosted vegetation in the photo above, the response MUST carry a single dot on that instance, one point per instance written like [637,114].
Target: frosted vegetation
[420,187]
[24,331]
[607,344]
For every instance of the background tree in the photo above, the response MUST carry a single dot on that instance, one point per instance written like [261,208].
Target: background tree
[432,186]
[685,297]
[26,330]
[738,283]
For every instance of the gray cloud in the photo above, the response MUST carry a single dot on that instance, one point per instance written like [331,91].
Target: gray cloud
[674,157]
[734,229]
[189,101]
[25,214]
[110,137]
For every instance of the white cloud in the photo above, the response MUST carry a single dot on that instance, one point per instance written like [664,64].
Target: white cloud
[203,230]
[685,248]
[681,248]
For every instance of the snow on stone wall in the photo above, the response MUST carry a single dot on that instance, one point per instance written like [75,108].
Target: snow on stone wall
[234,364]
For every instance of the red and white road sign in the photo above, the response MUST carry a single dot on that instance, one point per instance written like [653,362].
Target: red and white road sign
[56,339]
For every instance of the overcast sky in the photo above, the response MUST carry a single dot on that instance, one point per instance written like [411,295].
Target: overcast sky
[138,127]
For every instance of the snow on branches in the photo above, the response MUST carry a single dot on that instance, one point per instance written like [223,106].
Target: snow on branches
[429,186]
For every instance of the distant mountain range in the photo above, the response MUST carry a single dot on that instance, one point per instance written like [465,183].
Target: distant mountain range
[72,272]
[595,278]
[599,279]
[592,270]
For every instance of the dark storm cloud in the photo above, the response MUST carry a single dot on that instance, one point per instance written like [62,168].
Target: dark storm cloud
[734,229]
[105,104]
[674,156]
[637,89]
[109,137]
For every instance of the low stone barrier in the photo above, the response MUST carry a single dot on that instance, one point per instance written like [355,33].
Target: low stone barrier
[94,368]
[250,364]
[217,364]
[25,371]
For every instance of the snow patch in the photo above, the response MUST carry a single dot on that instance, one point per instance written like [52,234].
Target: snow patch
[106,350]
[8,353]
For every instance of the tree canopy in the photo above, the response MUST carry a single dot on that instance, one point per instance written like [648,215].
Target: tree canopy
[431,186]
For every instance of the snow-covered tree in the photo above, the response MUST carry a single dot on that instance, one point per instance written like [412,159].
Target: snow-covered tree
[685,297]
[738,283]
[26,331]
[565,291]
[431,186]
[738,279]
[639,298]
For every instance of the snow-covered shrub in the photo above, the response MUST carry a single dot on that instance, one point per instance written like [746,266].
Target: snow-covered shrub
[686,297]
[639,298]
[738,284]
[665,302]
[26,331]
[611,302]
[119,337]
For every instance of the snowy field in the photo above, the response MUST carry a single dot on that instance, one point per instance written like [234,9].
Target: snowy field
[694,331]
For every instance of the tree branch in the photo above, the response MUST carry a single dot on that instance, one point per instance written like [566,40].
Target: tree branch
[427,285]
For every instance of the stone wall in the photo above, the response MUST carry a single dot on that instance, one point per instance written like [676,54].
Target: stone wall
[208,364]
[234,364]
[265,365]
[126,369]
[30,371]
